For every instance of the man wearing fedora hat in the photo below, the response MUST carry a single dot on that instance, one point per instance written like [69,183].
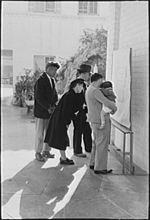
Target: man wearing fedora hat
[45,98]
[81,126]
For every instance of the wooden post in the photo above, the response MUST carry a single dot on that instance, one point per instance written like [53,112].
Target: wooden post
[124,135]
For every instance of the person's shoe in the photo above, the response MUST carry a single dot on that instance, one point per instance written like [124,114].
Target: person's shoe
[108,171]
[47,154]
[66,162]
[91,167]
[39,157]
[100,172]
[80,155]
[88,151]
[103,171]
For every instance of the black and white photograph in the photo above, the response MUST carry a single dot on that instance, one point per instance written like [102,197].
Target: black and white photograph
[75,110]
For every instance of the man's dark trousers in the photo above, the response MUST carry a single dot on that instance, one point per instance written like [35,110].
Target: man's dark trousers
[81,127]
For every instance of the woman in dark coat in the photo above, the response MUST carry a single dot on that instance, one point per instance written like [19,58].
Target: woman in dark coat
[56,135]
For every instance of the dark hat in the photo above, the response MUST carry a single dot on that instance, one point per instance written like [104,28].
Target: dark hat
[52,64]
[84,68]
[75,82]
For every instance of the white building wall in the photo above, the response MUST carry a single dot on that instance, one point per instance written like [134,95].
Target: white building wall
[69,8]
[128,27]
[30,33]
[15,6]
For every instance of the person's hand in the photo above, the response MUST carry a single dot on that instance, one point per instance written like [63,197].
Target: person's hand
[113,112]
[67,126]
[84,106]
[76,113]
[51,110]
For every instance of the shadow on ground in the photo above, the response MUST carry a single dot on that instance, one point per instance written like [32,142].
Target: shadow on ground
[39,192]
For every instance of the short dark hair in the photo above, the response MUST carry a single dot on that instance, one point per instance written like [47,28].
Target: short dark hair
[106,84]
[96,77]
[55,64]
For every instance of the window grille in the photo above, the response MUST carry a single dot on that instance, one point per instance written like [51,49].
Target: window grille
[92,7]
[83,7]
[7,66]
[50,6]
[39,6]
[7,53]
[88,8]
[45,6]
[47,59]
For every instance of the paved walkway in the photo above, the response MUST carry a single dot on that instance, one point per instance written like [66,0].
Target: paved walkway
[33,189]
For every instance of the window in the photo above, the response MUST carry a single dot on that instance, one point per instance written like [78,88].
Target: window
[49,59]
[93,7]
[50,6]
[90,8]
[7,66]
[83,7]
[45,6]
[39,6]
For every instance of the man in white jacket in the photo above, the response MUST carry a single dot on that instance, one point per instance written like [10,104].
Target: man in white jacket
[95,99]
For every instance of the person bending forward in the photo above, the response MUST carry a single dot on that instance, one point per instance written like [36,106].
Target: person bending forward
[56,135]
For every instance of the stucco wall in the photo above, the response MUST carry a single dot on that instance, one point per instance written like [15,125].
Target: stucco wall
[128,27]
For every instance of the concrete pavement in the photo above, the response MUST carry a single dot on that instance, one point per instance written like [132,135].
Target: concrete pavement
[33,189]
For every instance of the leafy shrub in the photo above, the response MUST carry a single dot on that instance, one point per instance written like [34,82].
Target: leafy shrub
[93,43]
[24,88]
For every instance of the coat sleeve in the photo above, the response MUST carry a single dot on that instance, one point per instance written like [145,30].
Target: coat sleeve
[39,93]
[67,109]
[101,98]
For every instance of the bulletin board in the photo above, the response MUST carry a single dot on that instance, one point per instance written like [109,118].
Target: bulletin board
[121,78]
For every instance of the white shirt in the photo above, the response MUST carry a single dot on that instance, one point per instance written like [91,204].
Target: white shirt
[50,80]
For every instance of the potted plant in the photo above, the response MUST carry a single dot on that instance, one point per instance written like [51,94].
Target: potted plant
[24,88]
[19,91]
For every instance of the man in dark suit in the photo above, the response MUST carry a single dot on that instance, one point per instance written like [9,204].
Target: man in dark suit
[45,98]
[81,126]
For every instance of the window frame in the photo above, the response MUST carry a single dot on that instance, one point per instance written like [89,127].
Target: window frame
[80,12]
[33,7]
